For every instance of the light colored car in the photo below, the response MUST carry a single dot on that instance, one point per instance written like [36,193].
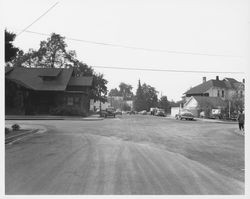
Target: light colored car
[144,112]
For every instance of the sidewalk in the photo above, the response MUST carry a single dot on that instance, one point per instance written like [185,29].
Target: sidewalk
[52,117]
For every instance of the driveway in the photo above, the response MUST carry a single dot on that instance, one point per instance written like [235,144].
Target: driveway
[134,154]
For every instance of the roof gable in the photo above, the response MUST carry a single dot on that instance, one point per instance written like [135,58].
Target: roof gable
[201,88]
[31,78]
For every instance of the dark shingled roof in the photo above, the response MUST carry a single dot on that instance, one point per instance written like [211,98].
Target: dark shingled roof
[50,72]
[213,101]
[202,88]
[31,78]
[8,69]
[81,81]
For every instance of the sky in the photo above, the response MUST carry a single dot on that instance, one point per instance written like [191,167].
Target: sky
[205,35]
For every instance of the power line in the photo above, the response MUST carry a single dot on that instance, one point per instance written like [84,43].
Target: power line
[37,19]
[165,70]
[135,48]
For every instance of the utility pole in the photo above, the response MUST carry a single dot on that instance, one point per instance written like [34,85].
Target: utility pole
[229,108]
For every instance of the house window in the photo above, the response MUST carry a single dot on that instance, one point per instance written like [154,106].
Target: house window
[70,101]
[222,93]
[218,93]
[241,93]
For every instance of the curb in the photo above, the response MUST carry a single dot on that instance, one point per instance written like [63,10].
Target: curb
[22,135]
[215,121]
[54,118]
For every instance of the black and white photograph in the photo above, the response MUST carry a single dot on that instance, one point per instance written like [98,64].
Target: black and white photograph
[124,98]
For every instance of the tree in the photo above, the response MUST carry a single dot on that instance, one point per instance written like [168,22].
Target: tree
[164,103]
[51,54]
[126,91]
[10,50]
[139,100]
[114,92]
[150,96]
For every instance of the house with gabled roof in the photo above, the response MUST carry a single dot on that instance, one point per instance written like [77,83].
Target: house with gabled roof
[40,90]
[213,94]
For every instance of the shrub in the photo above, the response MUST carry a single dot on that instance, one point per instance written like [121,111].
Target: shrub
[7,130]
[67,111]
[15,127]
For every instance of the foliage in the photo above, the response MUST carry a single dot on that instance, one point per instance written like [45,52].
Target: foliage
[126,107]
[99,89]
[125,90]
[67,111]
[164,103]
[114,92]
[10,50]
[15,127]
[145,98]
[139,100]
[51,54]
[150,95]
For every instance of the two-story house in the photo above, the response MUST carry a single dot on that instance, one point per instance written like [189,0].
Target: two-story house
[213,94]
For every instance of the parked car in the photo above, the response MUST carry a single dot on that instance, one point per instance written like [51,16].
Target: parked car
[144,112]
[108,112]
[215,116]
[118,112]
[160,113]
[185,115]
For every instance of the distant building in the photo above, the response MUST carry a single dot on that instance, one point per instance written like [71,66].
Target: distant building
[95,105]
[40,90]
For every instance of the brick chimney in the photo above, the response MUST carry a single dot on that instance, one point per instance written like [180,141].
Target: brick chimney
[204,79]
[217,77]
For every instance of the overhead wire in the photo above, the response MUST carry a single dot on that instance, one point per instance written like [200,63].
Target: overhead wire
[50,8]
[167,70]
[135,48]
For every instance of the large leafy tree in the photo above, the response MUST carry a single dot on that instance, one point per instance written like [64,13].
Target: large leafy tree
[164,103]
[52,53]
[150,95]
[126,91]
[10,50]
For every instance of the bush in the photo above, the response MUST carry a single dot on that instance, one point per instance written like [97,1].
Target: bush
[7,130]
[15,127]
[67,111]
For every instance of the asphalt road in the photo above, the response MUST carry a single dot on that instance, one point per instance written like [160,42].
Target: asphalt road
[127,155]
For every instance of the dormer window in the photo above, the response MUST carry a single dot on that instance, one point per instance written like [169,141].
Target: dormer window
[49,74]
